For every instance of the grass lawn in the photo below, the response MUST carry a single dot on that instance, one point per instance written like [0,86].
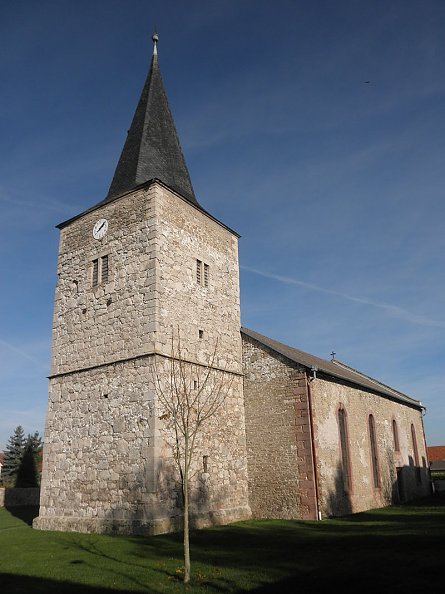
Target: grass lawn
[397,549]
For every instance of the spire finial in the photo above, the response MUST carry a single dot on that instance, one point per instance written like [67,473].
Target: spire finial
[155,38]
[152,149]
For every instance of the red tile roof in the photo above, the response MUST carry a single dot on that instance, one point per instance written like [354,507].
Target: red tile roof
[436,453]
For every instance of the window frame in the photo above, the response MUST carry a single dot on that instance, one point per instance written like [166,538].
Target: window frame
[374,453]
[95,273]
[104,269]
[198,272]
[395,435]
[202,273]
[416,454]
[345,456]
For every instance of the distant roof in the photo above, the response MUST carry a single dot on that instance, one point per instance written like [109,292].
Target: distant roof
[335,369]
[152,148]
[435,453]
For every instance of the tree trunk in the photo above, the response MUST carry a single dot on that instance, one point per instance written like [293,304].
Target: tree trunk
[186,529]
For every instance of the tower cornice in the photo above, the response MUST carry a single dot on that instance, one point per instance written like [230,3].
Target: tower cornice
[145,186]
[147,355]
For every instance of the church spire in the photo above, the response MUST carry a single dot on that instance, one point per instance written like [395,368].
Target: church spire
[152,149]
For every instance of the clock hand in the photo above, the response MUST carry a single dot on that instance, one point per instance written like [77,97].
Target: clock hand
[101,226]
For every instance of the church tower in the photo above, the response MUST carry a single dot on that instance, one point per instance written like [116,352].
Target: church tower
[145,264]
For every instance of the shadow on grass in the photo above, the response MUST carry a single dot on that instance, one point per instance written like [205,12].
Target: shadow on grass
[398,549]
[406,543]
[26,513]
[20,584]
[414,514]
[117,565]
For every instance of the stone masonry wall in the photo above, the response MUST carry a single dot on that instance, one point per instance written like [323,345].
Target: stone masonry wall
[280,468]
[184,235]
[153,241]
[106,460]
[327,397]
[96,326]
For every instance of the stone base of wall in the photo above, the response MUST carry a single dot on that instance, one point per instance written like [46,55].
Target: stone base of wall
[140,527]
[19,497]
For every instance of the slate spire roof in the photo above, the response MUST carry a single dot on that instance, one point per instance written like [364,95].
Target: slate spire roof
[152,149]
[152,152]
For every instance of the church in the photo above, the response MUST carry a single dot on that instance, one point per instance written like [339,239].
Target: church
[146,270]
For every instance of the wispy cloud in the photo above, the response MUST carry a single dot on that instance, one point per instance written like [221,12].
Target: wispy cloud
[43,203]
[392,310]
[18,351]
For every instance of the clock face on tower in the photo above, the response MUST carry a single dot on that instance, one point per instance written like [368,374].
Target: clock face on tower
[100,228]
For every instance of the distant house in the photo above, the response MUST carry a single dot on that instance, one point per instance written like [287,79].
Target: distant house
[436,457]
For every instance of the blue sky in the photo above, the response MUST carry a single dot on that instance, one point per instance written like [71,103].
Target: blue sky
[335,183]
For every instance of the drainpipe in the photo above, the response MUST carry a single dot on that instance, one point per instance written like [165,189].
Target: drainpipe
[428,470]
[311,430]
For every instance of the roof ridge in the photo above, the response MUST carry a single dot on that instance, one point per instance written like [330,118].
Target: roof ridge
[343,372]
[373,379]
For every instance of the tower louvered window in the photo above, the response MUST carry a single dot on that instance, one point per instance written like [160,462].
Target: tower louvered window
[100,271]
[95,278]
[104,269]
[202,273]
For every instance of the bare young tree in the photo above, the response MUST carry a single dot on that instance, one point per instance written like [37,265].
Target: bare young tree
[189,395]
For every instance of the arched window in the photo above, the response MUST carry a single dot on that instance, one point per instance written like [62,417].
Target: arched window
[416,454]
[374,453]
[395,435]
[344,449]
